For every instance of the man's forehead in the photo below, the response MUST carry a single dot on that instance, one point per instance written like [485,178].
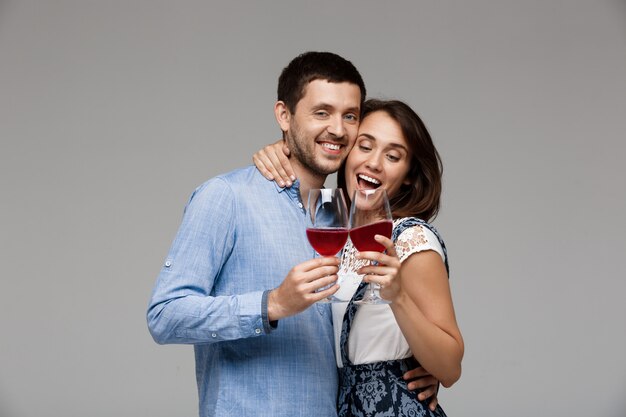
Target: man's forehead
[332,93]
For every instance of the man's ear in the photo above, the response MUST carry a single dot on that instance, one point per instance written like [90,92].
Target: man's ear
[283,115]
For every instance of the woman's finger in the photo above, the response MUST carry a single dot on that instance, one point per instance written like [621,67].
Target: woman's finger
[279,161]
[283,158]
[390,248]
[378,271]
[264,165]
[381,258]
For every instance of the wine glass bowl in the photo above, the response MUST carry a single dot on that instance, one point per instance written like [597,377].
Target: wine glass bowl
[328,231]
[370,215]
[363,236]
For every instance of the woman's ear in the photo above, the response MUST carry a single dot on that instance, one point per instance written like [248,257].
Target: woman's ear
[283,115]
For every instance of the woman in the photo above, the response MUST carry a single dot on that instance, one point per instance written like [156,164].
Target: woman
[393,150]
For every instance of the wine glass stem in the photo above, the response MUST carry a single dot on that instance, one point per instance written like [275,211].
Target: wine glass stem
[372,292]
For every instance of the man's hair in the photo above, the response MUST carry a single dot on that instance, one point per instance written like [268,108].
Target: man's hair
[310,66]
[422,196]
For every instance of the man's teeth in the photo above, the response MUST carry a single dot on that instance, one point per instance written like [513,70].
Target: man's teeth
[369,179]
[331,146]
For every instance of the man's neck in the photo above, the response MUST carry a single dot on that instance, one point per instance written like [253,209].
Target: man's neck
[308,179]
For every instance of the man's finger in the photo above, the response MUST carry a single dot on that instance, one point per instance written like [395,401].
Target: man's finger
[427,393]
[315,263]
[433,403]
[423,382]
[317,284]
[415,373]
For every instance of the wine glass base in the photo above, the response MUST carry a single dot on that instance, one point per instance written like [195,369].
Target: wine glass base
[331,299]
[372,301]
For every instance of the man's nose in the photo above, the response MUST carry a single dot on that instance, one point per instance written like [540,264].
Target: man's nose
[336,126]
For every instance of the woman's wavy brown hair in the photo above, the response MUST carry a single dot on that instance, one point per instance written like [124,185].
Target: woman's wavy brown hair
[422,197]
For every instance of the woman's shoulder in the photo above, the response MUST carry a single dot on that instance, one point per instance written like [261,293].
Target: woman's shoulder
[412,235]
[401,224]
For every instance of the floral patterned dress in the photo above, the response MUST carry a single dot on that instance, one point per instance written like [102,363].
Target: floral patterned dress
[377,389]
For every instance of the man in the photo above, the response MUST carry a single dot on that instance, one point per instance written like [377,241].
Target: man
[229,285]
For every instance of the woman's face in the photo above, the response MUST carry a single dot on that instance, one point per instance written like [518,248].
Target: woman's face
[380,156]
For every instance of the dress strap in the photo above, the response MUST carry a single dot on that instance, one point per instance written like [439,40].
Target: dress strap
[348,317]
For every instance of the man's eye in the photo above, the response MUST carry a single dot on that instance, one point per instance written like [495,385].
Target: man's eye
[321,114]
[352,117]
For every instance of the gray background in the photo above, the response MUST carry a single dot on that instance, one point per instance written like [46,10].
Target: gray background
[112,112]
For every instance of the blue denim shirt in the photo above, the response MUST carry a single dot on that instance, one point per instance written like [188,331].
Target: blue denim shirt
[240,235]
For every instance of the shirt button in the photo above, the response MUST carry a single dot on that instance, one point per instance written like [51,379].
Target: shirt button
[213,334]
[300,205]
[168,264]
[257,331]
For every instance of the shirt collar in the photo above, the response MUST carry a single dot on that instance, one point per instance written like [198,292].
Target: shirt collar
[294,189]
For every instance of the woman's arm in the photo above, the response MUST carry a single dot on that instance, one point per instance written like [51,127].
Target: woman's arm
[425,314]
[422,305]
[273,162]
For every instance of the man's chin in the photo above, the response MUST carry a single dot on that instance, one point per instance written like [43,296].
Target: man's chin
[327,169]
[324,165]
[332,163]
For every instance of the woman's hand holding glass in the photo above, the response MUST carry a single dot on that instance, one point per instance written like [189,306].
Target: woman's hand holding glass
[370,216]
[384,269]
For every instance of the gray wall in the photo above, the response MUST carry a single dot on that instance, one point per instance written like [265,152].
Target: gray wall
[111,112]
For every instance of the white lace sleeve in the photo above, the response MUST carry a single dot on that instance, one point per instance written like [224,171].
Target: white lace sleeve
[417,239]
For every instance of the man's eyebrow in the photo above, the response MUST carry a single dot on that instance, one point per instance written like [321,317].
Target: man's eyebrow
[322,105]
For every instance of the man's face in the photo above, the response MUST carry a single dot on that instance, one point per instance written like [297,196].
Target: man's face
[323,128]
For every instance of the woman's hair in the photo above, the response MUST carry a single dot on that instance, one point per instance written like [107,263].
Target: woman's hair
[420,198]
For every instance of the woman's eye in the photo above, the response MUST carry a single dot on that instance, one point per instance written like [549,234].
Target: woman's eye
[364,148]
[393,158]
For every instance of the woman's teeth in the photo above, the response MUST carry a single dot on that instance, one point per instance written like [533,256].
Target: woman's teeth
[372,181]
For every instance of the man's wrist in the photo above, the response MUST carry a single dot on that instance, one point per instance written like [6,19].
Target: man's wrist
[274,310]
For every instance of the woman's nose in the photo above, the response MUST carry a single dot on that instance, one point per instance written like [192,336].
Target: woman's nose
[373,162]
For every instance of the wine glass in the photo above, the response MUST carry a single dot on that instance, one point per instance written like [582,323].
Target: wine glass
[329,224]
[370,215]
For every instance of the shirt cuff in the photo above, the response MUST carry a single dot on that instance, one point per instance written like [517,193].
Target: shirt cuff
[268,326]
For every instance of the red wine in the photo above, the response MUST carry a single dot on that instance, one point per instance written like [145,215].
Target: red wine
[363,236]
[327,241]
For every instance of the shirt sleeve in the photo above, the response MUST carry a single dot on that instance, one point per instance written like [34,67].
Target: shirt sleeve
[417,239]
[182,309]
